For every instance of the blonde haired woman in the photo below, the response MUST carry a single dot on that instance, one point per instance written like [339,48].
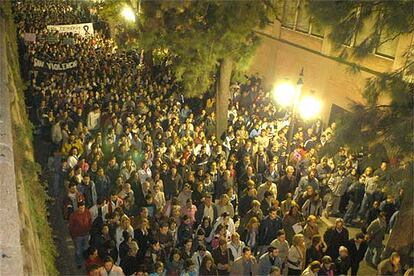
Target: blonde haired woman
[296,255]
[224,206]
[250,235]
[125,225]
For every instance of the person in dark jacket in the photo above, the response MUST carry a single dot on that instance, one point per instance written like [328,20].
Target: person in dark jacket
[357,248]
[184,230]
[287,184]
[335,237]
[246,202]
[373,213]
[203,210]
[269,227]
[343,262]
[266,203]
[315,251]
[356,194]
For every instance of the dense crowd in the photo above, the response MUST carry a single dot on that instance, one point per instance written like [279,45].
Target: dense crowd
[148,188]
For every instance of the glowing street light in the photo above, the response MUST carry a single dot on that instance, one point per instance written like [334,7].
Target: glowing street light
[284,94]
[128,13]
[309,107]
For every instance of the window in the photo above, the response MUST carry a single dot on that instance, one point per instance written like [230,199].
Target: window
[388,48]
[303,19]
[289,14]
[296,17]
[316,29]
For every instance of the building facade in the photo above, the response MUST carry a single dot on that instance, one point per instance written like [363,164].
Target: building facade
[296,42]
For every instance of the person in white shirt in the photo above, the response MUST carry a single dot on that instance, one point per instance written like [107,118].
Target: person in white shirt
[199,255]
[144,173]
[100,209]
[236,246]
[226,220]
[94,118]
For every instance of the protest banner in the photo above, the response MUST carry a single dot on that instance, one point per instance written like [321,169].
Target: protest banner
[84,29]
[43,65]
[29,37]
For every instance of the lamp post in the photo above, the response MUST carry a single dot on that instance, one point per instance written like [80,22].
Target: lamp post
[290,97]
[296,98]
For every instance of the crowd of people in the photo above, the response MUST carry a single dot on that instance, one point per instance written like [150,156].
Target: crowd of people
[147,187]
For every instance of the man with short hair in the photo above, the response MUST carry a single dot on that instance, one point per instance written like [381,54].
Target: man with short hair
[244,265]
[376,232]
[222,258]
[269,260]
[269,227]
[282,245]
[357,248]
[80,223]
[206,209]
[336,237]
[199,255]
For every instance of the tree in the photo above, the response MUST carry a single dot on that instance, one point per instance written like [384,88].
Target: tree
[209,40]
[384,130]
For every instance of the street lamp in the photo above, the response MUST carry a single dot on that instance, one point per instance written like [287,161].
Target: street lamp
[284,93]
[128,13]
[309,107]
[298,92]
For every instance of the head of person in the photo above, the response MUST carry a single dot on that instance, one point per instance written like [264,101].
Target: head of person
[311,220]
[81,206]
[275,271]
[247,253]
[201,234]
[339,224]
[395,258]
[202,250]
[159,268]
[253,224]
[188,243]
[298,240]
[327,261]
[223,244]
[294,210]
[93,270]
[315,266]
[316,240]
[290,170]
[189,265]
[273,251]
[175,255]
[281,236]
[208,200]
[343,251]
[359,237]
[235,238]
[272,213]
[108,263]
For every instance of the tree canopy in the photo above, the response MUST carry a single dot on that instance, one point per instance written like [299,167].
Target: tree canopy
[385,130]
[200,34]
[373,123]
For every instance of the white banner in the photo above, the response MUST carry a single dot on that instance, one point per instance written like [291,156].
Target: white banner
[54,66]
[84,29]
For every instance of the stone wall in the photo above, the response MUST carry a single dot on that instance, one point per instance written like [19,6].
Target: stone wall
[26,242]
